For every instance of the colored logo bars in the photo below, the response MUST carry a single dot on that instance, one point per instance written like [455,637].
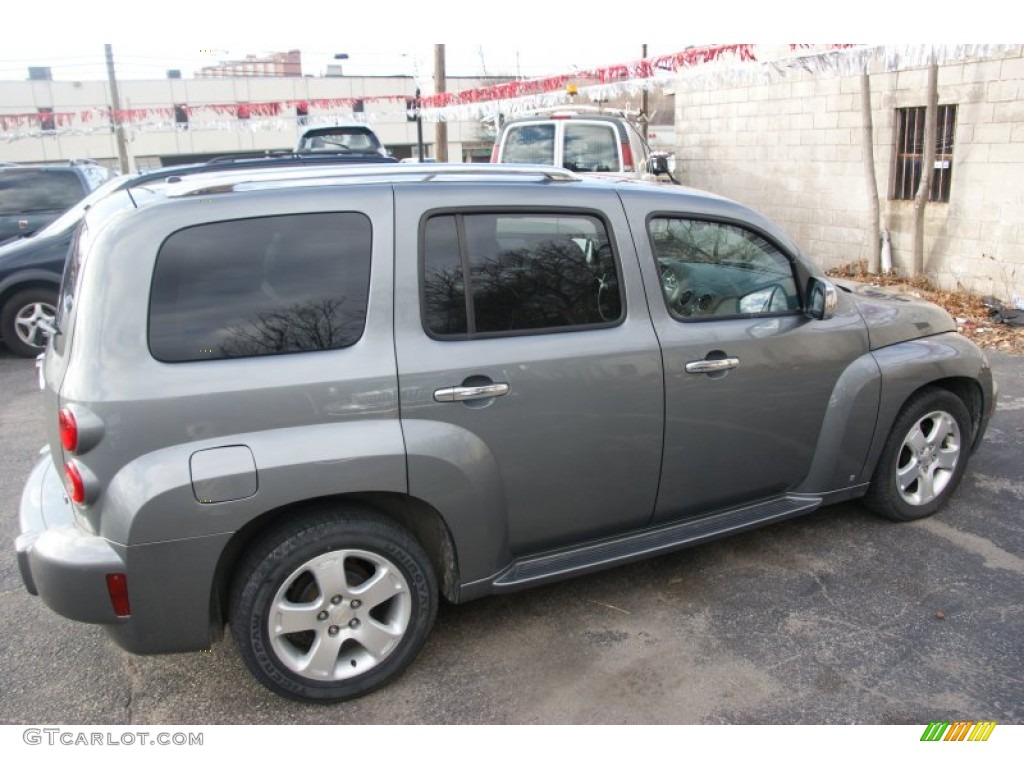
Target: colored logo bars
[960,730]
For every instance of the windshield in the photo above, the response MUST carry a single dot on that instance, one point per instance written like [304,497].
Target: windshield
[73,215]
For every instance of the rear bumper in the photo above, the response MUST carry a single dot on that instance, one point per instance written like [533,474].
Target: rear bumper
[169,583]
[62,564]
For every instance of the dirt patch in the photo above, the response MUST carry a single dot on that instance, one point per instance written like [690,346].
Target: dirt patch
[971,311]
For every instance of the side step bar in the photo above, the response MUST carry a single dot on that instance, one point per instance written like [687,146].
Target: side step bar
[595,556]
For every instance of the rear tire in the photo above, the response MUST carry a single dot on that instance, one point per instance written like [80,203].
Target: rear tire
[332,606]
[924,457]
[19,320]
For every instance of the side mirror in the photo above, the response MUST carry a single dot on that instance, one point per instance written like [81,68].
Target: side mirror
[822,299]
[658,165]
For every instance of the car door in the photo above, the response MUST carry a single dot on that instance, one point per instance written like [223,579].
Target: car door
[533,411]
[748,376]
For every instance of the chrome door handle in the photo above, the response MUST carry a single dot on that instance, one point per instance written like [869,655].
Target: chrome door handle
[458,394]
[711,366]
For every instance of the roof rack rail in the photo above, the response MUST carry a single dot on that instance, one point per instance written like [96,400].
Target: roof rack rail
[229,180]
[247,156]
[629,114]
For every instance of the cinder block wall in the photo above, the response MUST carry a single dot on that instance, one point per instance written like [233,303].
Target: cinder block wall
[793,149]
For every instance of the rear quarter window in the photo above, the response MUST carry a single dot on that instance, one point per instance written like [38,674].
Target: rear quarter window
[265,286]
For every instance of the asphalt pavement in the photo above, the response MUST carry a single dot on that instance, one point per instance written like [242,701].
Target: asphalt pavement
[838,617]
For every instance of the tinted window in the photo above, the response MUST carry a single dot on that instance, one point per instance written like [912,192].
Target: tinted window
[530,144]
[341,140]
[711,269]
[525,272]
[261,287]
[27,190]
[444,287]
[590,148]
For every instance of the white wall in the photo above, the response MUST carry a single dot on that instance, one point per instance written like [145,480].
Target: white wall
[793,149]
[224,133]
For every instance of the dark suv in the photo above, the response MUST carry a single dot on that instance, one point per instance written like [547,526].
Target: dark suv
[31,196]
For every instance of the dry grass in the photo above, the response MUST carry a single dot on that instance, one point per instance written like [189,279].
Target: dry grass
[972,316]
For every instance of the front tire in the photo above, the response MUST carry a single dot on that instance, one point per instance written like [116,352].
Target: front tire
[924,457]
[333,606]
[19,320]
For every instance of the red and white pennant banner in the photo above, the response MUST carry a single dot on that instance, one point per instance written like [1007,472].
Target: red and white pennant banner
[705,67]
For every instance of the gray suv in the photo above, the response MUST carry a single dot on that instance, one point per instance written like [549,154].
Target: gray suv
[310,403]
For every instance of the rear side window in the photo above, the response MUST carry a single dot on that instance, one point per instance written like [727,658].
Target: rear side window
[590,148]
[29,191]
[530,144]
[266,286]
[508,273]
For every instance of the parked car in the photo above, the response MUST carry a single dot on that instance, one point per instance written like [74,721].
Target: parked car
[31,267]
[309,402]
[348,139]
[31,196]
[581,139]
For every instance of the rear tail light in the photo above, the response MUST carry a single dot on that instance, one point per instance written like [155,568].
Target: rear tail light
[68,430]
[117,586]
[494,153]
[75,484]
[627,157]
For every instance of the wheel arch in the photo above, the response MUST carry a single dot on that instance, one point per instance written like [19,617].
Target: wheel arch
[27,279]
[948,362]
[422,520]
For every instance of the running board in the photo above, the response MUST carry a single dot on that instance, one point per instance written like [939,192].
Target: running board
[606,553]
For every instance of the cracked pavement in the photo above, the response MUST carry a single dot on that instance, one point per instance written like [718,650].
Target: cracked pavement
[837,617]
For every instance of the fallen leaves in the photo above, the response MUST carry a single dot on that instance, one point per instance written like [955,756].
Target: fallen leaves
[967,308]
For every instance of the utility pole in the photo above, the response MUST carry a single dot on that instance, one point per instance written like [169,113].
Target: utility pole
[441,130]
[643,102]
[419,126]
[122,145]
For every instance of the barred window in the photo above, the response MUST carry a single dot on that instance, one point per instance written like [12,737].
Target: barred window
[910,122]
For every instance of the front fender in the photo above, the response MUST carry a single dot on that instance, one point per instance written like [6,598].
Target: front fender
[946,359]
[847,431]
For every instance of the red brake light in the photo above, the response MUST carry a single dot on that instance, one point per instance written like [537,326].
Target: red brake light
[117,586]
[627,157]
[68,430]
[494,153]
[75,484]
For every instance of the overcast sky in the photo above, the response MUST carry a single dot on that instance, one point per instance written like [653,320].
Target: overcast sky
[85,61]
[528,38]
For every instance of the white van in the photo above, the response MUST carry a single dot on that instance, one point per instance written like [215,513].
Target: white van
[604,142]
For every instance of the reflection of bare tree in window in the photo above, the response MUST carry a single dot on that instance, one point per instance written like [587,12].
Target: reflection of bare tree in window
[444,297]
[700,242]
[548,286]
[299,328]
